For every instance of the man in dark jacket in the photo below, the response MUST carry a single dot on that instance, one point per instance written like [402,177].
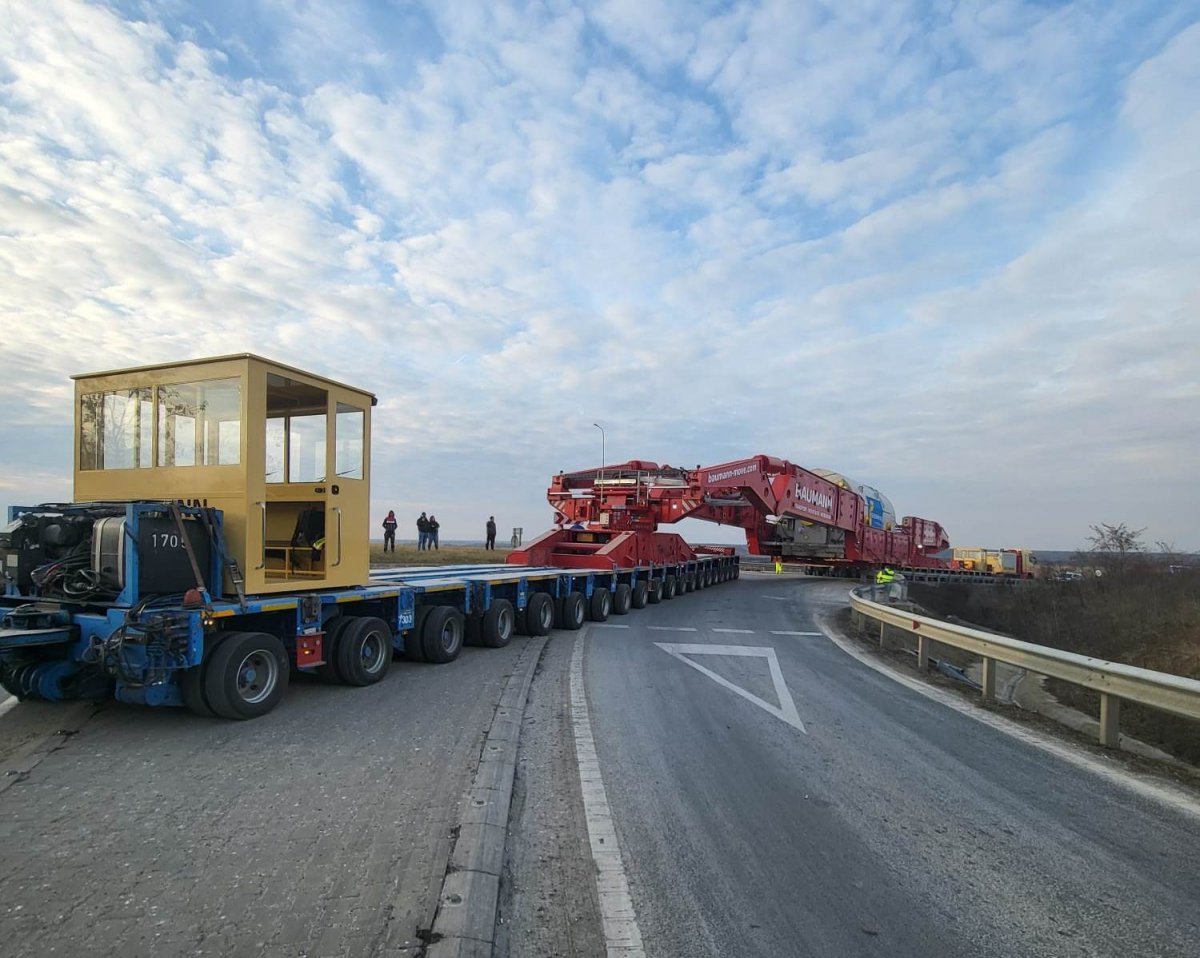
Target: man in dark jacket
[389,531]
[422,533]
[491,533]
[434,525]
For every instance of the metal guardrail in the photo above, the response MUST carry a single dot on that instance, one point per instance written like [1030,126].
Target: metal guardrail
[1158,690]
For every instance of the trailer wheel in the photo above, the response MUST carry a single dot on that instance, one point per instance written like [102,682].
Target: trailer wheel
[640,595]
[669,586]
[622,599]
[191,682]
[414,643]
[737,571]
[570,611]
[600,605]
[499,621]
[655,594]
[539,614]
[246,676]
[442,634]
[330,671]
[364,651]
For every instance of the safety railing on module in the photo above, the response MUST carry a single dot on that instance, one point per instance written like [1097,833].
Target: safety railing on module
[1114,681]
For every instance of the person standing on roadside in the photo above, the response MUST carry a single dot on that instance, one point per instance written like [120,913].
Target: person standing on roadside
[434,525]
[491,533]
[389,531]
[422,533]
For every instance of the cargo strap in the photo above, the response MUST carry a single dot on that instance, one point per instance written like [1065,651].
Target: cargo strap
[191,554]
[208,517]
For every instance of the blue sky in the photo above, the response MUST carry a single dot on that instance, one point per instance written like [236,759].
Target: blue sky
[949,250]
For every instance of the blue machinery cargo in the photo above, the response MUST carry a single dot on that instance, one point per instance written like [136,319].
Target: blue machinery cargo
[207,557]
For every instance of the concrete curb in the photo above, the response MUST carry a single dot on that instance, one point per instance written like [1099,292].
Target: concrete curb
[465,923]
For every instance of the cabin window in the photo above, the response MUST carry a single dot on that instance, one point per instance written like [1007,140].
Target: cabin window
[200,423]
[116,430]
[350,428]
[297,416]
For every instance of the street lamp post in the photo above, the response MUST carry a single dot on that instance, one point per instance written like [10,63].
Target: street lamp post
[601,428]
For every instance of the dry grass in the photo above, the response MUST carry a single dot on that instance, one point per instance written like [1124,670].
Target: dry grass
[1144,618]
[406,554]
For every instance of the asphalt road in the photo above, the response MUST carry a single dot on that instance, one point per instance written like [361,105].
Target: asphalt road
[771,794]
[322,828]
[890,825]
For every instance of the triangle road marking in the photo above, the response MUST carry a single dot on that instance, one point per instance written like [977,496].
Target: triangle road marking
[785,711]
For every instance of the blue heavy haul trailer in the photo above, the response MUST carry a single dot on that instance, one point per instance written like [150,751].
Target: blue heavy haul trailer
[207,555]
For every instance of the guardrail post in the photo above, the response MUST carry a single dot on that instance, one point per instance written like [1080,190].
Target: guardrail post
[989,679]
[882,626]
[1110,720]
[922,652]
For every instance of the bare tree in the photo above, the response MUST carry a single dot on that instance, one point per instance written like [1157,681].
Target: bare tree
[1116,548]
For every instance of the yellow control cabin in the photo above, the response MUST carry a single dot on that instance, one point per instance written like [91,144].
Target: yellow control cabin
[283,453]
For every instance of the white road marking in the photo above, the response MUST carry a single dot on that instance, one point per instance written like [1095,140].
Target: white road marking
[736,631]
[621,934]
[780,598]
[8,703]
[671,628]
[609,625]
[1177,799]
[785,711]
[784,632]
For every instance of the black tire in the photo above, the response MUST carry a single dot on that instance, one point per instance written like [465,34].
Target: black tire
[498,624]
[191,682]
[685,583]
[364,652]
[622,599]
[669,586]
[641,595]
[655,593]
[414,643]
[600,606]
[539,614]
[246,676]
[442,634]
[329,649]
[570,611]
[737,571]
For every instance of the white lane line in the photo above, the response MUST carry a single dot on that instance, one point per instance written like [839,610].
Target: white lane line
[784,632]
[785,711]
[1178,799]
[736,631]
[779,598]
[609,625]
[621,934]
[670,628]
[8,703]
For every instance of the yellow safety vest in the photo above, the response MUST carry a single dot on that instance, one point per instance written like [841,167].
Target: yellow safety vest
[883,576]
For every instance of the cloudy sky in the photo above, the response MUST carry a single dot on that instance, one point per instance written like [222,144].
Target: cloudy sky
[952,250]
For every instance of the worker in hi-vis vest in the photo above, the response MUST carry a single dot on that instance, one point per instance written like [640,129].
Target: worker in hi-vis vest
[883,581]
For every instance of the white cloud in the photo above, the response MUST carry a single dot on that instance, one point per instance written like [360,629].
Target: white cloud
[952,255]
